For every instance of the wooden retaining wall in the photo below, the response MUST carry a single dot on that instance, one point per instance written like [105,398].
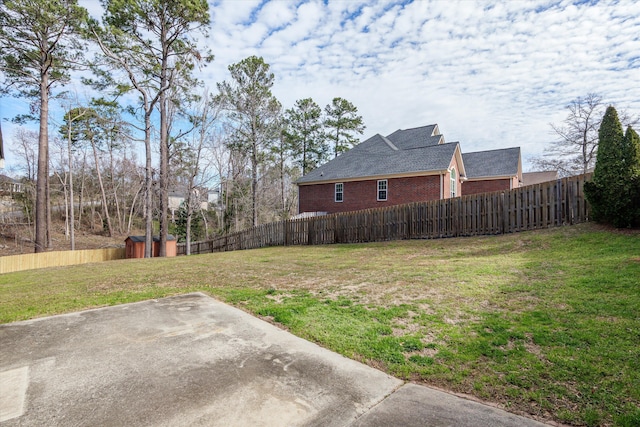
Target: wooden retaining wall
[544,205]
[13,263]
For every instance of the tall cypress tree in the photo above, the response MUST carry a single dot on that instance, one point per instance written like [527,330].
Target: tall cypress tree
[632,150]
[632,159]
[611,191]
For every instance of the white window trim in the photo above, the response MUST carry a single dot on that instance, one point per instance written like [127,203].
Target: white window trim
[335,192]
[453,183]
[386,190]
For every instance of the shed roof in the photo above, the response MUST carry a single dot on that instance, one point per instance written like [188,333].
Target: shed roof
[140,239]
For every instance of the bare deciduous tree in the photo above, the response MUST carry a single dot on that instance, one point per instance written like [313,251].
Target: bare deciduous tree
[576,147]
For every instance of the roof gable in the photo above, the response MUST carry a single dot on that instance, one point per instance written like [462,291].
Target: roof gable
[424,136]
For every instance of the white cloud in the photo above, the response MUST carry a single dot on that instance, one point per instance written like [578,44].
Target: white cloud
[490,74]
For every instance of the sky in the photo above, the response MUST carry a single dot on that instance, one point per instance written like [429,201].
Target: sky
[491,74]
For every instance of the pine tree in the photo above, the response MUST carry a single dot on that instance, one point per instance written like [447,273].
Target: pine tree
[342,123]
[304,134]
[254,115]
[40,44]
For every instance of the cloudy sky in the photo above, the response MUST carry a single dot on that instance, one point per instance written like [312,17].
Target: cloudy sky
[490,74]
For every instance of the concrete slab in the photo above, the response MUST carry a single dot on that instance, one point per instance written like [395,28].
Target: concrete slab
[186,360]
[192,361]
[414,405]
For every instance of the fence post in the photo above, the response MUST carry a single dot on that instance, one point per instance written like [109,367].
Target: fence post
[502,211]
[286,231]
[310,229]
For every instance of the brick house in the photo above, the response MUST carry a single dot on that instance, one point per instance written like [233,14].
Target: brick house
[406,166]
[492,170]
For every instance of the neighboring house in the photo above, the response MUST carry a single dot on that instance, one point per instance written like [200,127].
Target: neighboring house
[492,170]
[177,198]
[213,197]
[530,178]
[9,186]
[406,166]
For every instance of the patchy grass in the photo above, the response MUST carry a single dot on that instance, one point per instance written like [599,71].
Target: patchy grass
[543,323]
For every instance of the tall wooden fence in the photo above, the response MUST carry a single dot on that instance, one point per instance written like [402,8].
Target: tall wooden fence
[544,205]
[13,263]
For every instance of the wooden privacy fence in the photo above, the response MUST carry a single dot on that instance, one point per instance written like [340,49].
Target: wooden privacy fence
[544,205]
[13,263]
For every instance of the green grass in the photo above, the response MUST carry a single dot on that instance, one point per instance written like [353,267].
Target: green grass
[544,323]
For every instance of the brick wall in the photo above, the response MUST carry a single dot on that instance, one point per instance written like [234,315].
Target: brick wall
[363,194]
[475,187]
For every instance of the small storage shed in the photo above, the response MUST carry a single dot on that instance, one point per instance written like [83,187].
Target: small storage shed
[172,249]
[135,246]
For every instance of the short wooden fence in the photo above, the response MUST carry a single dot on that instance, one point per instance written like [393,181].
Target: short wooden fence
[544,205]
[11,263]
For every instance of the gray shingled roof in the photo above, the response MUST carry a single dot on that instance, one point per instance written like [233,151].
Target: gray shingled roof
[529,178]
[484,164]
[398,153]
[415,138]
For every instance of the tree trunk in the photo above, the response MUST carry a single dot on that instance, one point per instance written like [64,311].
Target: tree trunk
[132,210]
[48,207]
[81,199]
[164,146]
[188,233]
[43,163]
[105,208]
[114,189]
[148,235]
[72,235]
[284,204]
[254,183]
[66,204]
[164,177]
[206,224]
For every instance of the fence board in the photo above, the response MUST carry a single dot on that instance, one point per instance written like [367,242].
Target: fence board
[12,263]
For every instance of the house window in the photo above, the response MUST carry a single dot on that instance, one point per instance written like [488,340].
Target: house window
[453,183]
[382,190]
[339,192]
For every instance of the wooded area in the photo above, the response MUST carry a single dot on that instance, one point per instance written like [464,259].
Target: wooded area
[549,204]
[237,151]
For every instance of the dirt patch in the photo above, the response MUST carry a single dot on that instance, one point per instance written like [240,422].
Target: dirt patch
[19,240]
[533,348]
[425,352]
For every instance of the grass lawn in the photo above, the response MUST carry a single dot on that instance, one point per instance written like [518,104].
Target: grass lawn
[543,323]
